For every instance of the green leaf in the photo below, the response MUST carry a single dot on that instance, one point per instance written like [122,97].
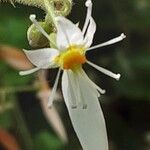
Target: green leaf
[6,119]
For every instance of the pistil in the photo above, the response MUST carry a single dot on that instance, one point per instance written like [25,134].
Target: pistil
[71,58]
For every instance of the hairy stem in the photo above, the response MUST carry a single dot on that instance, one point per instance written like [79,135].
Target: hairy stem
[62,7]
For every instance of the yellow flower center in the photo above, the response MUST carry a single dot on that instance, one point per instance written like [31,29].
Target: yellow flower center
[73,57]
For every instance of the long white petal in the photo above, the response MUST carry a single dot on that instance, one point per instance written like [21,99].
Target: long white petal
[88,15]
[53,93]
[89,123]
[105,71]
[112,41]
[67,33]
[23,73]
[90,33]
[42,58]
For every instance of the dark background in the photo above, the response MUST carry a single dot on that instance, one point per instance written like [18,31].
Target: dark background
[126,104]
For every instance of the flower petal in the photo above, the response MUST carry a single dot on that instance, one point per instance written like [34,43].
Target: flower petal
[42,58]
[90,33]
[89,123]
[67,33]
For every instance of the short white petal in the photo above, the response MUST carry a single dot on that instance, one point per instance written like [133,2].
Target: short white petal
[67,33]
[89,123]
[90,33]
[42,58]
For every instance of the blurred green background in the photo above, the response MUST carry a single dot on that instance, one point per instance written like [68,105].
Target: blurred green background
[126,104]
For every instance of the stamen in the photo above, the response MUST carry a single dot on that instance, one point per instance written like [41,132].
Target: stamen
[53,93]
[23,73]
[112,41]
[80,96]
[105,71]
[88,15]
[74,100]
[102,91]
[35,22]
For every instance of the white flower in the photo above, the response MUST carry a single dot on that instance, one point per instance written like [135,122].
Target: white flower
[80,93]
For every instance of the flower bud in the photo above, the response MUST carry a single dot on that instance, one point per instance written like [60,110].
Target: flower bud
[53,39]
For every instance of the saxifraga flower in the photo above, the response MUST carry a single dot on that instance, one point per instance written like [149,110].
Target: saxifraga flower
[80,93]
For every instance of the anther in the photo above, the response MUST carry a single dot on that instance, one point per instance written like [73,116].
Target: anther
[74,106]
[88,3]
[84,106]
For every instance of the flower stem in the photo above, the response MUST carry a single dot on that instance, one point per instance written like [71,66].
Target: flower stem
[21,128]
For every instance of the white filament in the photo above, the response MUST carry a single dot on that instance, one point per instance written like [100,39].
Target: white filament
[72,88]
[88,15]
[23,73]
[102,91]
[112,41]
[38,26]
[35,22]
[53,93]
[80,93]
[105,71]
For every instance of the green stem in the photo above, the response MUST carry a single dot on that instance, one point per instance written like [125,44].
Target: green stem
[22,129]
[50,10]
[53,10]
